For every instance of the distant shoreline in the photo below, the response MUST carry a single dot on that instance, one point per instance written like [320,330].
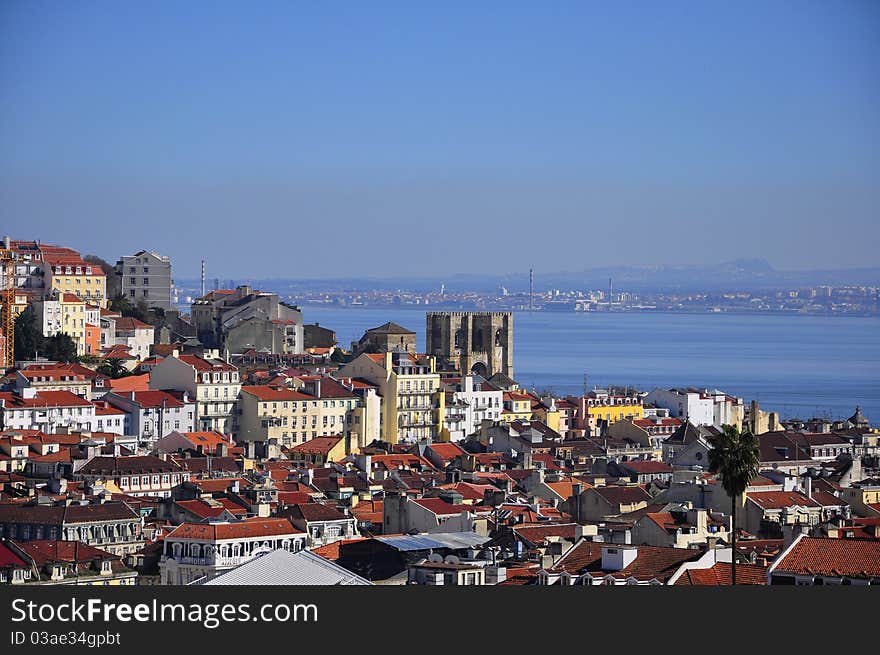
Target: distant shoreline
[604,313]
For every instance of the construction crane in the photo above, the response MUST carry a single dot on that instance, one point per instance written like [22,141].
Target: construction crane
[7,303]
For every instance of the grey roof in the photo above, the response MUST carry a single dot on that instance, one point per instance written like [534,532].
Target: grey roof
[389,328]
[281,567]
[502,381]
[452,540]
[687,433]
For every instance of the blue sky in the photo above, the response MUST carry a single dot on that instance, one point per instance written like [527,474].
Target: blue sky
[327,139]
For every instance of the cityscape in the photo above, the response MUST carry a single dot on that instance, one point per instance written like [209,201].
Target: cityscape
[147,442]
[498,297]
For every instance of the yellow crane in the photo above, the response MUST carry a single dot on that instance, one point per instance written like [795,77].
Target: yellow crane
[7,302]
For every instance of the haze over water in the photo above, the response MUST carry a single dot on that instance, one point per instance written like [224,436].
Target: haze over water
[801,366]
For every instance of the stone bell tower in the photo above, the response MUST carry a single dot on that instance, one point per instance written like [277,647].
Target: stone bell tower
[472,342]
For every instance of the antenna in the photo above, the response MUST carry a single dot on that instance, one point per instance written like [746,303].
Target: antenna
[203,277]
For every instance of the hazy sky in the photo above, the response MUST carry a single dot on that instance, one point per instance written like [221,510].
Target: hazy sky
[321,139]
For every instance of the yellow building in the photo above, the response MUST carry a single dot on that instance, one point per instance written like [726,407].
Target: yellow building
[610,408]
[69,274]
[409,385]
[517,407]
[73,320]
[322,408]
[46,271]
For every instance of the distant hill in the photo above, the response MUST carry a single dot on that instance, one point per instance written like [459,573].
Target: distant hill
[737,275]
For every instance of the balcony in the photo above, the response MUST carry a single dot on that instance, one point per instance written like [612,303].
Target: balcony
[417,424]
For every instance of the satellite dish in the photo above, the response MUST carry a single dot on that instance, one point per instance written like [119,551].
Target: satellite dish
[434,557]
[452,559]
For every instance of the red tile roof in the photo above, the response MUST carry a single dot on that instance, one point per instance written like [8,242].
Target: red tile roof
[207,440]
[317,446]
[155,399]
[855,558]
[721,574]
[44,399]
[446,450]
[130,383]
[623,495]
[9,558]
[651,562]
[201,364]
[256,527]
[310,512]
[780,499]
[130,323]
[44,552]
[647,467]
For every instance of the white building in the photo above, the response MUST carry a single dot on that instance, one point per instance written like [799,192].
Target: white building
[151,415]
[470,402]
[146,277]
[136,335]
[213,384]
[699,406]
[196,550]
[48,314]
[48,411]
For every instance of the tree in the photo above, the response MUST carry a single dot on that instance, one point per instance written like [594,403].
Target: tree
[28,335]
[114,284]
[113,368]
[735,458]
[338,356]
[60,348]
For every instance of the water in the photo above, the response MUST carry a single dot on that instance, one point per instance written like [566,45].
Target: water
[801,366]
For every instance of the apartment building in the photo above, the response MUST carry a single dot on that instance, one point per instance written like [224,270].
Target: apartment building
[140,475]
[197,550]
[48,411]
[212,382]
[151,415]
[321,407]
[47,271]
[242,319]
[470,400]
[409,385]
[146,277]
[700,406]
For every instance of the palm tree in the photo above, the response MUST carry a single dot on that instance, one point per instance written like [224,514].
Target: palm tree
[735,458]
